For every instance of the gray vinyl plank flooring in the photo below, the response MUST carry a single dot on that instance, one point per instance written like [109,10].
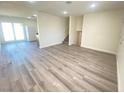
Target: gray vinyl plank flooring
[59,68]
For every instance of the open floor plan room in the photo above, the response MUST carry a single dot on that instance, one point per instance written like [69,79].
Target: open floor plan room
[61,46]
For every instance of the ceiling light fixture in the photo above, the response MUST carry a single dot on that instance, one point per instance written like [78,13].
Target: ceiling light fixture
[65,12]
[34,15]
[29,17]
[93,5]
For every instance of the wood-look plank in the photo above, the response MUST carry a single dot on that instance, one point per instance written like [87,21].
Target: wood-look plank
[25,67]
[83,64]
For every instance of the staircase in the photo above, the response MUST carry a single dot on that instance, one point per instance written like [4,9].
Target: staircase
[66,40]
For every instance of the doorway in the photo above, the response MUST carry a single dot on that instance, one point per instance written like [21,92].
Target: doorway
[79,35]
[13,31]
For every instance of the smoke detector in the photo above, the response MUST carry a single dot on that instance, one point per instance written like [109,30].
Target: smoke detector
[68,2]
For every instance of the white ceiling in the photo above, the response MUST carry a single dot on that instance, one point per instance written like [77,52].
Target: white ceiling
[57,7]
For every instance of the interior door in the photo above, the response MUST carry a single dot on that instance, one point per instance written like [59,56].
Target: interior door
[120,62]
[7,31]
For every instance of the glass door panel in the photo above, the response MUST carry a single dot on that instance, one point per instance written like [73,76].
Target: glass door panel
[19,32]
[7,31]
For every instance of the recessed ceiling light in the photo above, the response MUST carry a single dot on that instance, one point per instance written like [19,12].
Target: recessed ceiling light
[34,15]
[29,17]
[65,12]
[93,5]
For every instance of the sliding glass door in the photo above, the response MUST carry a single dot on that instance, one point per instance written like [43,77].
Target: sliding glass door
[13,31]
[19,32]
[8,31]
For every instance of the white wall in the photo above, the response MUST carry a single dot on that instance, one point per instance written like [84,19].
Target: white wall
[32,30]
[101,30]
[15,10]
[32,26]
[120,63]
[0,37]
[79,22]
[51,29]
[72,30]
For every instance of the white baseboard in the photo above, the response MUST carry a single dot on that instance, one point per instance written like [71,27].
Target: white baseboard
[101,50]
[50,45]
